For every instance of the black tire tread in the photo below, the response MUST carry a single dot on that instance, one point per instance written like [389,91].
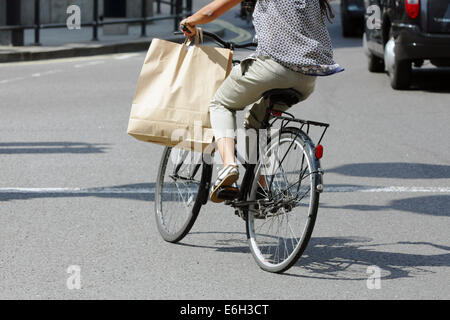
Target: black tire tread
[184,230]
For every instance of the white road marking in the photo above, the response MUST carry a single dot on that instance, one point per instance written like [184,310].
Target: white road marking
[11,80]
[58,60]
[39,74]
[34,75]
[126,56]
[87,64]
[128,190]
[79,65]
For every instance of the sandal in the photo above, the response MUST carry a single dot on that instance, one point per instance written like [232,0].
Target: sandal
[225,178]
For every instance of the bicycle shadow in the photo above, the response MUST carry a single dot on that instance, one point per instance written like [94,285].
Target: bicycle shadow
[236,243]
[348,258]
[344,258]
[434,205]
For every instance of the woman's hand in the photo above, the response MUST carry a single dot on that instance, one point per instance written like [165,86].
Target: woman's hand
[208,13]
[184,24]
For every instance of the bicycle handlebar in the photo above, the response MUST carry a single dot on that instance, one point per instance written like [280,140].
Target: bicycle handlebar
[225,44]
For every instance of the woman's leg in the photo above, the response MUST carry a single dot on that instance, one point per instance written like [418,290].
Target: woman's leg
[226,149]
[223,122]
[244,86]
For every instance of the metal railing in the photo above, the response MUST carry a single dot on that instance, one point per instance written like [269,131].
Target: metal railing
[177,12]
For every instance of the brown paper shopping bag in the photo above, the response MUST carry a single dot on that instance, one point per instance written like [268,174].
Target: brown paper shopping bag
[174,90]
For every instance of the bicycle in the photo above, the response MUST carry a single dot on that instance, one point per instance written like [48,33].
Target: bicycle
[278,197]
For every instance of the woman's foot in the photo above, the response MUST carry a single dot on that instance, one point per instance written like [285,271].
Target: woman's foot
[225,178]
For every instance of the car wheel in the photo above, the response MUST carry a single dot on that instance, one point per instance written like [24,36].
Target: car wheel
[400,75]
[375,64]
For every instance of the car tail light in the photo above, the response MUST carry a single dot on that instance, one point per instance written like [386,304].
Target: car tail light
[319,151]
[412,8]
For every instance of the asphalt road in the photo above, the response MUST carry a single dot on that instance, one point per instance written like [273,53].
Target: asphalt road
[63,126]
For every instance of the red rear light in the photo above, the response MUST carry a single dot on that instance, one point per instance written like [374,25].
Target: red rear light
[319,151]
[412,8]
[276,113]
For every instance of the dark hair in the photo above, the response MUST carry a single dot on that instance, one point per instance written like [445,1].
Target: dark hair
[325,7]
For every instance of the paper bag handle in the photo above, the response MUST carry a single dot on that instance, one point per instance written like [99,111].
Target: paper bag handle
[198,36]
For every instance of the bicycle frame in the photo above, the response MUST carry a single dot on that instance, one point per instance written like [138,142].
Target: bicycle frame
[245,188]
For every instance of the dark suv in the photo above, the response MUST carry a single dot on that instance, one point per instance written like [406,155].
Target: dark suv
[400,33]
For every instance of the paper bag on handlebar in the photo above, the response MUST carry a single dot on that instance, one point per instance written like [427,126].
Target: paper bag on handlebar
[174,90]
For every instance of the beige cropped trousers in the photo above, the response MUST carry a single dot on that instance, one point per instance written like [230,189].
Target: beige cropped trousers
[245,86]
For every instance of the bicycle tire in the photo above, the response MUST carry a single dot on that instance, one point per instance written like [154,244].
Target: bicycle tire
[165,194]
[258,241]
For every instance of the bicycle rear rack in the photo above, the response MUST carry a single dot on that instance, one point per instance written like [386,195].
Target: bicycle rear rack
[285,121]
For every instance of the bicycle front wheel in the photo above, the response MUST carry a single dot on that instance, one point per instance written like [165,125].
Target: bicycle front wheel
[285,184]
[177,201]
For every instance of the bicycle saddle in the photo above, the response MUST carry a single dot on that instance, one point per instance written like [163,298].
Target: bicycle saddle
[288,96]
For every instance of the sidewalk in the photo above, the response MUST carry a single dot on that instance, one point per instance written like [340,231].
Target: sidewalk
[63,43]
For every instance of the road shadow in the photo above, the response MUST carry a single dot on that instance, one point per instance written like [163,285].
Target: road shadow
[51,147]
[434,205]
[435,80]
[233,242]
[136,191]
[341,258]
[397,170]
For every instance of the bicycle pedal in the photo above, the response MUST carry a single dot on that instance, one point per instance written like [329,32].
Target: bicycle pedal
[227,193]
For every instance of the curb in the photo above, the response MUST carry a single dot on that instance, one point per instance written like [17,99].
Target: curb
[87,49]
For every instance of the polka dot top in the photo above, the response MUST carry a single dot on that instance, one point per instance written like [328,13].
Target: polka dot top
[294,33]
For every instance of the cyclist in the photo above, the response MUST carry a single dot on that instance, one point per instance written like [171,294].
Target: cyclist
[294,47]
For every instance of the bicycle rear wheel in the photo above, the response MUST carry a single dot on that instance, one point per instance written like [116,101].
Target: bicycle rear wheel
[286,179]
[177,202]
